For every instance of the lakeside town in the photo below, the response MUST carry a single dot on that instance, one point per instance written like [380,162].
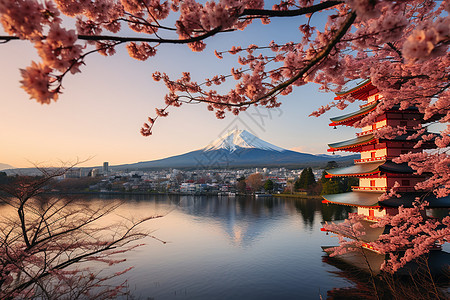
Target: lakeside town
[211,182]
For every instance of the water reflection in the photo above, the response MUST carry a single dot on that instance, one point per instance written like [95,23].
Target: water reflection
[220,248]
[244,219]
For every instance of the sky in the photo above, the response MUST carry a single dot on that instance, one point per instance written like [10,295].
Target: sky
[99,114]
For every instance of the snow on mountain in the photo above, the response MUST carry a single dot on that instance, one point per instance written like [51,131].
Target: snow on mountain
[241,139]
[5,166]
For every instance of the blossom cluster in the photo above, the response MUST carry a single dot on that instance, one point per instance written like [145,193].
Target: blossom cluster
[350,233]
[435,165]
[428,41]
[411,235]
[382,43]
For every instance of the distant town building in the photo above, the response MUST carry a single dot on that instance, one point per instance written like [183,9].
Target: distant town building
[94,172]
[73,173]
[105,167]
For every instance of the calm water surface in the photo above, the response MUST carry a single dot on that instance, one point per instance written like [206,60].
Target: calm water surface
[241,248]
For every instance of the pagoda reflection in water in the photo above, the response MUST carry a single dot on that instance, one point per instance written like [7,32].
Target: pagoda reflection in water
[377,172]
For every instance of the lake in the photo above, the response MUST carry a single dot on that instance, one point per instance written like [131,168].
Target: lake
[243,248]
[232,248]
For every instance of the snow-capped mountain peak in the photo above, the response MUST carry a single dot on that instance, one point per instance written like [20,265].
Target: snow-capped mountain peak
[240,139]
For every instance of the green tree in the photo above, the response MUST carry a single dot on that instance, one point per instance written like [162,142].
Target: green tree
[331,165]
[306,180]
[268,185]
[337,185]
[331,187]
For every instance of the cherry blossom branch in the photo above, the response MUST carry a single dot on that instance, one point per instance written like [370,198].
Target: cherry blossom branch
[313,62]
[124,39]
[391,45]
[290,13]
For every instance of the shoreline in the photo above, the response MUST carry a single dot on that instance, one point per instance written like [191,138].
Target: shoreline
[181,194]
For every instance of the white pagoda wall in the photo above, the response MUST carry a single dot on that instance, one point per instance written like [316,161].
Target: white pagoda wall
[377,213]
[378,153]
[379,182]
[378,125]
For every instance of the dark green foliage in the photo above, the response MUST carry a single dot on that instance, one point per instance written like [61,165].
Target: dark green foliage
[331,165]
[337,185]
[331,187]
[306,180]
[268,185]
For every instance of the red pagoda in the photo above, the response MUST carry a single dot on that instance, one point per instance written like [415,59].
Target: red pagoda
[375,169]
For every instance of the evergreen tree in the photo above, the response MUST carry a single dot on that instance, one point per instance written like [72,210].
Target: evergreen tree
[331,187]
[337,185]
[306,180]
[268,185]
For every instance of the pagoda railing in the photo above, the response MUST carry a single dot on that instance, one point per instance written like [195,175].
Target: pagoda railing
[370,188]
[358,134]
[372,218]
[370,159]
[383,188]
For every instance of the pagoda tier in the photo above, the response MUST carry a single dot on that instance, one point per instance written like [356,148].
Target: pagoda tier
[409,118]
[437,264]
[376,171]
[371,233]
[379,176]
[361,92]
[370,169]
[370,200]
[370,142]
[361,260]
[352,118]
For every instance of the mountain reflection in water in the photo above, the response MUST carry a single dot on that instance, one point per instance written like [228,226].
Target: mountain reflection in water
[231,248]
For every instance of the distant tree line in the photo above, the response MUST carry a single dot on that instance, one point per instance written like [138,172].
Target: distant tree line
[307,183]
[336,185]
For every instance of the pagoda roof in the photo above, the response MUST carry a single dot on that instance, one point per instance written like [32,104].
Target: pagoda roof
[362,199]
[407,200]
[366,169]
[392,167]
[357,260]
[354,170]
[437,262]
[353,144]
[371,234]
[361,91]
[370,199]
[351,118]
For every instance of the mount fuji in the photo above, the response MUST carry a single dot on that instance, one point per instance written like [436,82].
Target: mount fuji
[238,148]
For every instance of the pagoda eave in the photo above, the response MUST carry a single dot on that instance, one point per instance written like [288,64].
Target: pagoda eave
[407,199]
[371,233]
[353,145]
[352,205]
[349,123]
[354,149]
[355,199]
[359,92]
[359,170]
[352,118]
[376,174]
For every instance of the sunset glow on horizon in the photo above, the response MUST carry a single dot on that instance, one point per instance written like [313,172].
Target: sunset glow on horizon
[99,114]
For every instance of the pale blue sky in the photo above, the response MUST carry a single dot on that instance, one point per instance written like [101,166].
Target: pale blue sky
[102,109]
